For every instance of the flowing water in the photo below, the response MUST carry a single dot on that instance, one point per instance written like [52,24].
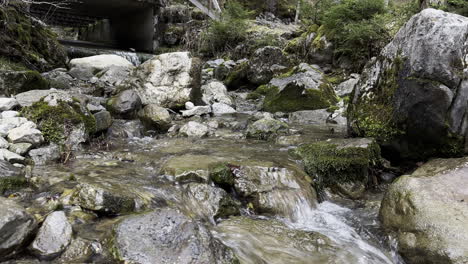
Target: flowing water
[302,231]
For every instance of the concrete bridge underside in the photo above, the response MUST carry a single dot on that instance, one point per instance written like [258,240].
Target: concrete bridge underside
[129,23]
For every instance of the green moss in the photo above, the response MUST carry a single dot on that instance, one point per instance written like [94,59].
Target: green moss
[328,163]
[56,122]
[254,96]
[222,175]
[238,76]
[373,114]
[12,184]
[293,98]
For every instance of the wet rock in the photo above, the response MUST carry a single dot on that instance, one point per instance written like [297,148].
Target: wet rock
[318,117]
[126,129]
[194,129]
[166,80]
[8,104]
[166,236]
[3,143]
[115,75]
[76,137]
[259,241]
[59,79]
[215,92]
[155,117]
[77,252]
[54,236]
[197,111]
[339,161]
[16,227]
[9,114]
[221,109]
[304,88]
[26,133]
[414,94]
[209,203]
[95,108]
[266,128]
[46,154]
[30,97]
[346,88]
[11,177]
[429,213]
[85,68]
[10,156]
[275,190]
[266,62]
[107,199]
[103,120]
[189,168]
[125,105]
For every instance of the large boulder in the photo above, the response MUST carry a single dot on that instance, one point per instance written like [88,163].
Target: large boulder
[16,227]
[86,68]
[265,63]
[304,88]
[7,103]
[168,80]
[194,129]
[215,92]
[167,236]
[414,97]
[429,213]
[125,104]
[54,236]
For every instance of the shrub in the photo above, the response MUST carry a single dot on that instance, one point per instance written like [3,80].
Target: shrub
[228,31]
[457,6]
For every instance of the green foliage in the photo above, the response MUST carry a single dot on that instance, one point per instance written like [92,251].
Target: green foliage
[356,29]
[8,184]
[228,31]
[56,122]
[457,6]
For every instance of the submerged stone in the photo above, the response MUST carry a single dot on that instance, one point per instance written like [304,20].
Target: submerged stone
[166,236]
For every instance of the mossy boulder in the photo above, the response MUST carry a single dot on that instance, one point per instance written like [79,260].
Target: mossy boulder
[27,41]
[413,97]
[338,161]
[57,122]
[428,213]
[237,77]
[15,78]
[267,128]
[303,88]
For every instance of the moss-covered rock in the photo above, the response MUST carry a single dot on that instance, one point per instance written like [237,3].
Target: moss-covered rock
[412,97]
[237,77]
[222,175]
[340,161]
[15,79]
[27,41]
[303,88]
[57,122]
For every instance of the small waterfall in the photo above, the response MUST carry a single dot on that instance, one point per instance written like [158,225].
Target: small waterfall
[330,219]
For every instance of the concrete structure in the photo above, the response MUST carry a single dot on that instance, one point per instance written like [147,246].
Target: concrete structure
[121,23]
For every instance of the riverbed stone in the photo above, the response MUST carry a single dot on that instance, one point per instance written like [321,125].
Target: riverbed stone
[194,129]
[264,237]
[11,177]
[54,236]
[8,103]
[318,117]
[215,92]
[221,109]
[107,199]
[155,117]
[125,105]
[167,236]
[103,120]
[43,155]
[16,227]
[30,97]
[10,156]
[428,212]
[209,203]
[265,63]
[3,143]
[166,80]
[85,68]
[126,129]
[26,133]
[267,128]
[8,114]
[197,111]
